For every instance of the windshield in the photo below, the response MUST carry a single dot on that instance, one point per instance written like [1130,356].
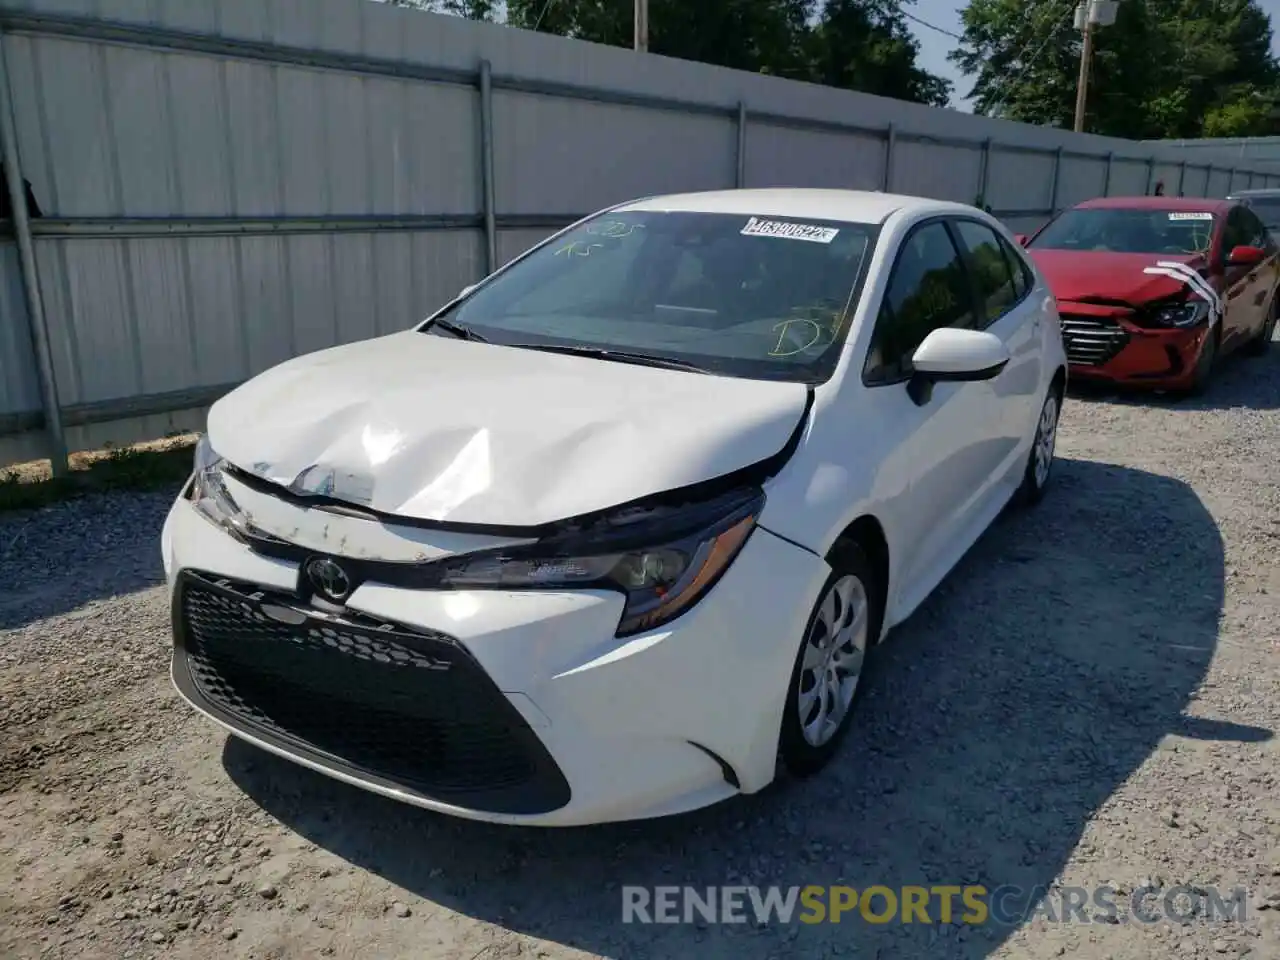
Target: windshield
[1128,231]
[737,295]
[1267,209]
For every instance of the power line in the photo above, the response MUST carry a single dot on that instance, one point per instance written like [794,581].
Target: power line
[926,23]
[545,8]
[1026,64]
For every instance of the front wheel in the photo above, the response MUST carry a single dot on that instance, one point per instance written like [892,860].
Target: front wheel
[1040,464]
[1206,363]
[828,666]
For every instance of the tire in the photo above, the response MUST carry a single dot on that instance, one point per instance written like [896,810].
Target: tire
[1035,481]
[849,597]
[1206,363]
[1259,345]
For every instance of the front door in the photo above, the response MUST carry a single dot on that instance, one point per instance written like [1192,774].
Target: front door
[1245,288]
[947,448]
[1002,284]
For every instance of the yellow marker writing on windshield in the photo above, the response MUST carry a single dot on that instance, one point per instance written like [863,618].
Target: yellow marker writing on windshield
[784,327]
[578,248]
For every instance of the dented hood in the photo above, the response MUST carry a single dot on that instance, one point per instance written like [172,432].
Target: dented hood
[1092,275]
[434,428]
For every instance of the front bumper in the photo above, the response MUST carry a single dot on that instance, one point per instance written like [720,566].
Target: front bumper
[512,707]
[1111,349]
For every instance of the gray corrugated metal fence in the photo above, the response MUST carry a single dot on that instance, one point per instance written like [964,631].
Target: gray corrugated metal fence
[227,184]
[1237,149]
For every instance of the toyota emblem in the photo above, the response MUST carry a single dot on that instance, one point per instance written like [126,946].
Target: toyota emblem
[328,579]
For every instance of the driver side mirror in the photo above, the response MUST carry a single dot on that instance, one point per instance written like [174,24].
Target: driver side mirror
[1246,256]
[954,355]
[1022,239]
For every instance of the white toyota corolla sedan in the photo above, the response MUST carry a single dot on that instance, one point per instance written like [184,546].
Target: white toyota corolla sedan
[608,536]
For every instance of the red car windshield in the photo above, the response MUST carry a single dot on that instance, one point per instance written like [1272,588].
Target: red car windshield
[1114,230]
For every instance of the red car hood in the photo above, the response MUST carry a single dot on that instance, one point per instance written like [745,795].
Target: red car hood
[1090,275]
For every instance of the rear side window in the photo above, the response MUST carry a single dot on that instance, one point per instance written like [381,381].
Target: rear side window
[1023,280]
[991,269]
[928,288]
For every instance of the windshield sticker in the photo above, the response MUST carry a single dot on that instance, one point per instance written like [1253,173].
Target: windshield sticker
[790,231]
[1196,283]
[1191,216]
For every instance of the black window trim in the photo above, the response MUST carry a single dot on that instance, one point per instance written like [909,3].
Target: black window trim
[944,220]
[1018,265]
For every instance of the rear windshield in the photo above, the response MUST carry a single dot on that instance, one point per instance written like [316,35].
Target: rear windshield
[1267,209]
[1128,231]
[751,296]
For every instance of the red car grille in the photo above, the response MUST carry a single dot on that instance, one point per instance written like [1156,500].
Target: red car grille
[1091,341]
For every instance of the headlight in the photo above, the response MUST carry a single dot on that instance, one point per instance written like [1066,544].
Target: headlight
[1189,314]
[661,569]
[209,495]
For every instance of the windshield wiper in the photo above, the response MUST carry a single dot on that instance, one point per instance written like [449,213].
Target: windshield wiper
[458,330]
[619,356]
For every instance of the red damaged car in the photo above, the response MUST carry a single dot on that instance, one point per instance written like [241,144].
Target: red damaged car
[1153,290]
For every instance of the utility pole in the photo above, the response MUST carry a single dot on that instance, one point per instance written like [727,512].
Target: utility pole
[642,25]
[1089,13]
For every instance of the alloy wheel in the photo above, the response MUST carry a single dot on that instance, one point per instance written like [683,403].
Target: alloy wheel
[832,661]
[1046,439]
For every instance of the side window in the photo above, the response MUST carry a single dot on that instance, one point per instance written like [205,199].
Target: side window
[1254,228]
[928,289]
[1023,280]
[1235,233]
[990,269]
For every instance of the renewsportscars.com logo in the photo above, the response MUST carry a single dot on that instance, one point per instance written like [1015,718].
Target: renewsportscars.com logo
[944,904]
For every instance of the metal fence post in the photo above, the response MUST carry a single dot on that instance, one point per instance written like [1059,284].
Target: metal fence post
[984,173]
[741,175]
[1231,180]
[1106,180]
[1151,174]
[1208,179]
[487,166]
[36,318]
[890,139]
[1057,181]
[1182,177]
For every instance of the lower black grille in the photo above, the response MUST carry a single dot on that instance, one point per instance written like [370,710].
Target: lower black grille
[1091,341]
[370,699]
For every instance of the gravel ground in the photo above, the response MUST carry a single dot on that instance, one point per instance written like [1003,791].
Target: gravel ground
[1089,699]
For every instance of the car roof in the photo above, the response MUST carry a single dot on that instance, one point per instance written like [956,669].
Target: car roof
[851,206]
[1172,204]
[1259,192]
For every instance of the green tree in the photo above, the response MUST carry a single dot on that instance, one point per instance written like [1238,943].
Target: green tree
[471,9]
[856,44]
[1166,68]
[756,35]
[866,45]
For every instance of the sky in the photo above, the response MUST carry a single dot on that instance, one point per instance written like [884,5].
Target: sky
[945,14]
[934,46]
